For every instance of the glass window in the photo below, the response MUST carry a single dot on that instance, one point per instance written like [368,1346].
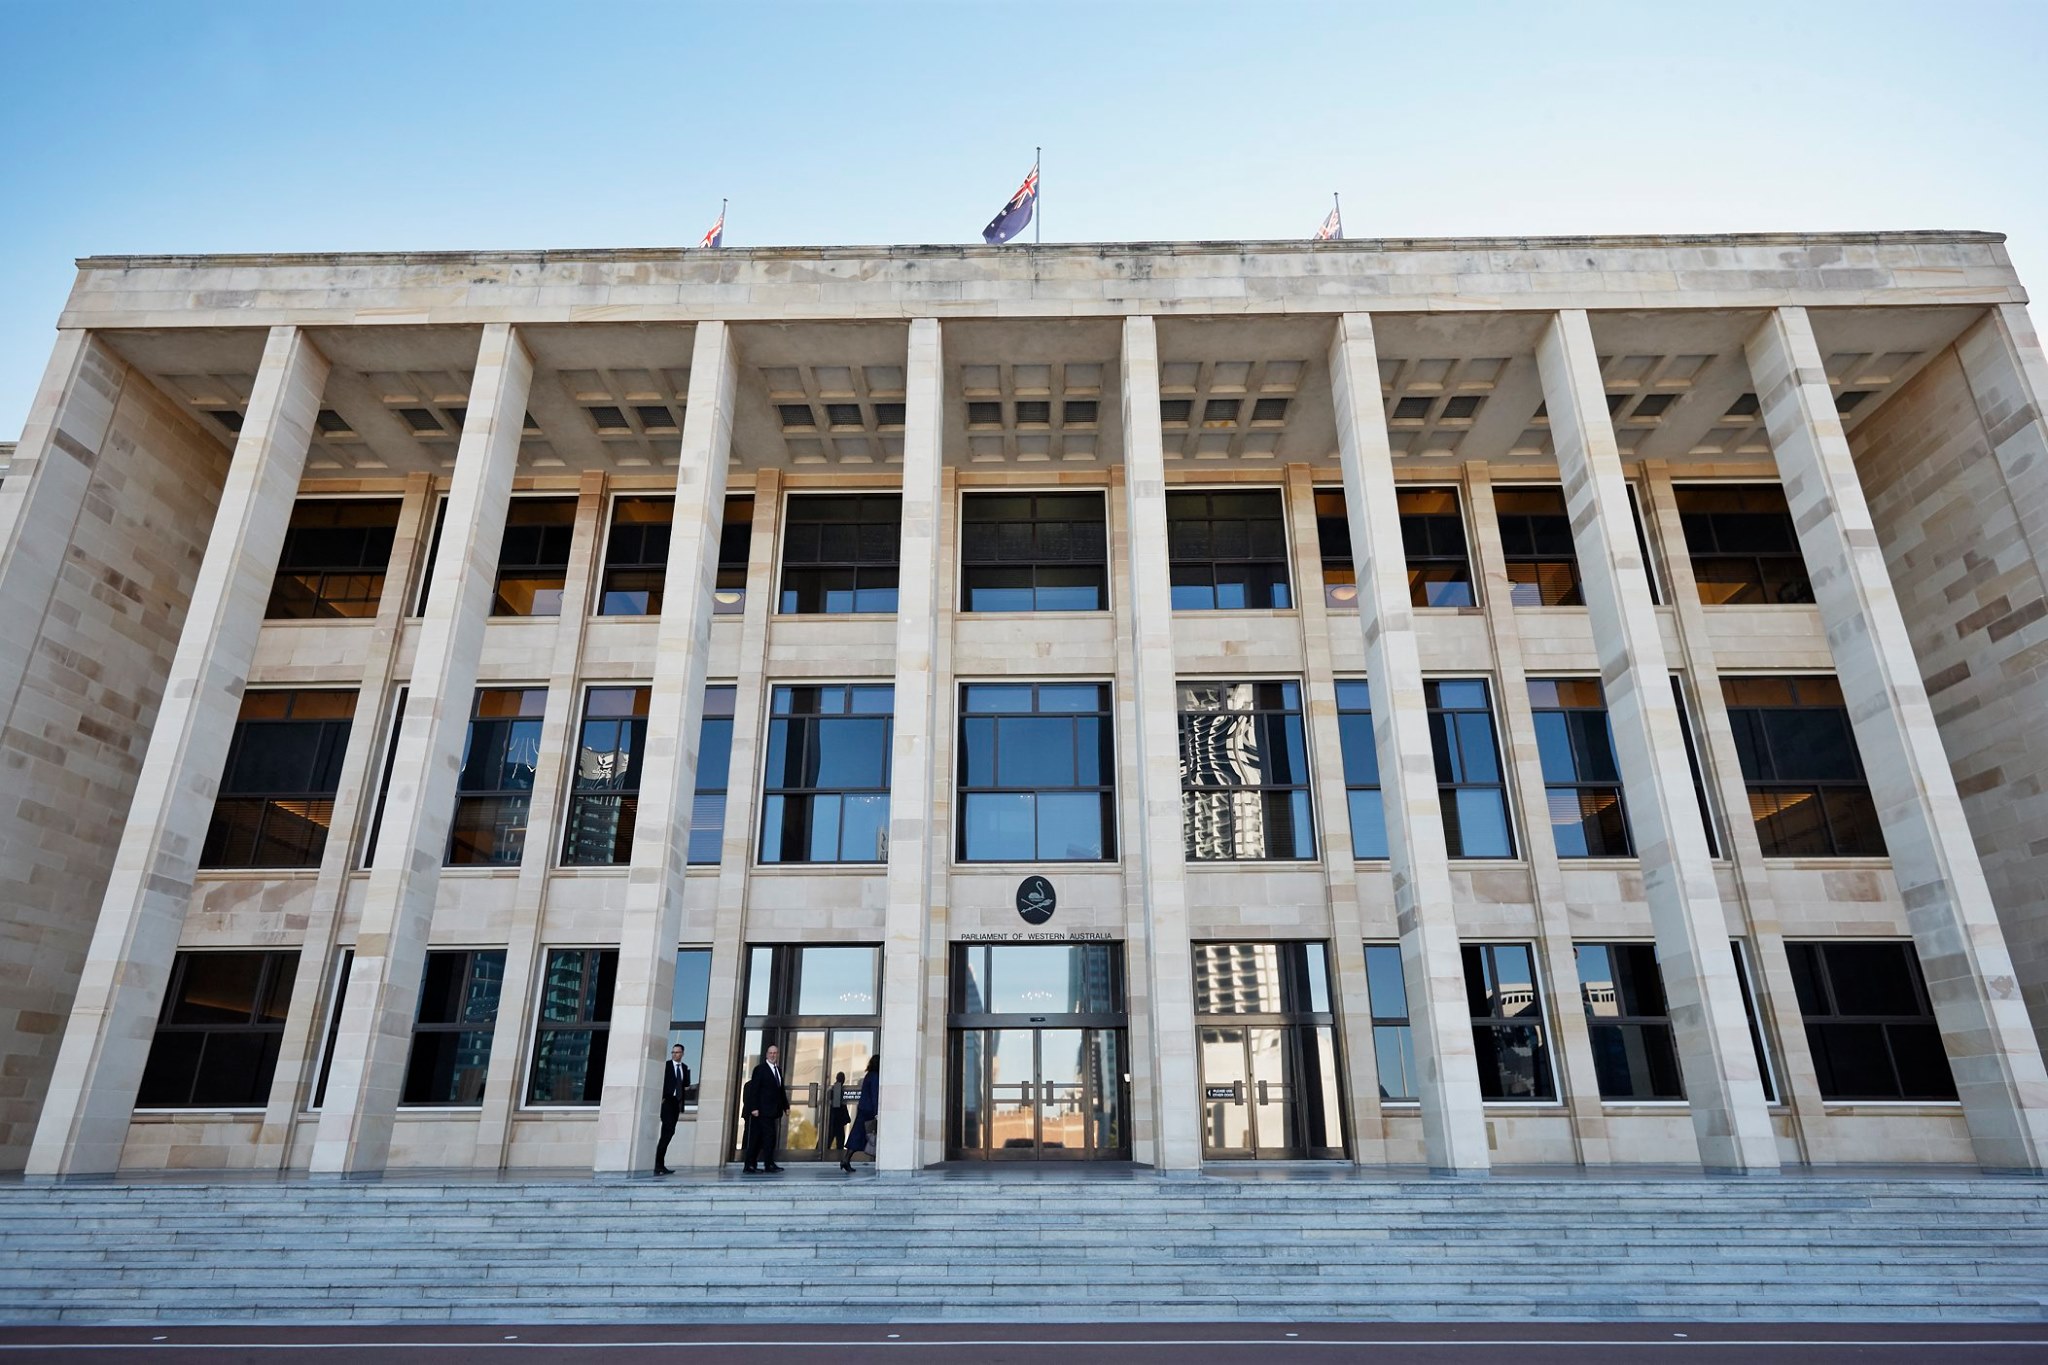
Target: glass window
[1433,536]
[337,999]
[575,1026]
[714,773]
[1756,1028]
[451,1038]
[818,981]
[1393,1041]
[1581,780]
[1244,771]
[533,558]
[1361,768]
[839,553]
[1034,552]
[1262,978]
[1470,785]
[1634,1052]
[433,555]
[384,780]
[495,788]
[1743,545]
[276,796]
[686,1014]
[1507,1022]
[636,557]
[1692,759]
[336,552]
[1037,979]
[1807,791]
[1635,512]
[1536,538]
[1227,550]
[826,790]
[1037,774]
[1333,540]
[218,1034]
[604,796]
[1869,1021]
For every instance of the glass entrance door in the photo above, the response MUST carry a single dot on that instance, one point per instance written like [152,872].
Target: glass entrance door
[1036,1065]
[812,1059]
[1267,1051]
[819,1004]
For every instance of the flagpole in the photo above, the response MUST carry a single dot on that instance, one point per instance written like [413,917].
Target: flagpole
[1038,209]
[721,220]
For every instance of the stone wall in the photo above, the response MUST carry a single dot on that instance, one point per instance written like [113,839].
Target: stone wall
[72,740]
[1974,592]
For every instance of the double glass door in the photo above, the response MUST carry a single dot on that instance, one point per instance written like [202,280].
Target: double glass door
[820,1004]
[1037,1065]
[812,1058]
[1268,1052]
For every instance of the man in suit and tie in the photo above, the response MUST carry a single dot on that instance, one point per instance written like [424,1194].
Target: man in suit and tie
[675,1086]
[763,1102]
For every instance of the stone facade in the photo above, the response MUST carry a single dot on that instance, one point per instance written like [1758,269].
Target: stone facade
[137,536]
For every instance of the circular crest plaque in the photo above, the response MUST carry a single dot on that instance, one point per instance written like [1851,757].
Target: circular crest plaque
[1035,900]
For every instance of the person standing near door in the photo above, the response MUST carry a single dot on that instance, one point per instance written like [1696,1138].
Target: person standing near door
[864,1115]
[764,1101]
[675,1086]
[836,1114]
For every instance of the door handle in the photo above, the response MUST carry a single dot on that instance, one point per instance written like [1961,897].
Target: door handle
[1262,1094]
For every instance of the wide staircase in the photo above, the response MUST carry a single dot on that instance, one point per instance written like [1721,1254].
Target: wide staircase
[1248,1245]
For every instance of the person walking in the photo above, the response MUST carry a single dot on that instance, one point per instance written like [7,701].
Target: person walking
[864,1116]
[835,1128]
[675,1088]
[764,1101]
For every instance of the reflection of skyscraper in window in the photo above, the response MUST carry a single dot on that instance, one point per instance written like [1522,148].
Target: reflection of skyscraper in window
[594,821]
[1221,761]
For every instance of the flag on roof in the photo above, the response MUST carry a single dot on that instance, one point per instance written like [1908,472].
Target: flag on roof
[1332,229]
[715,237]
[1016,215]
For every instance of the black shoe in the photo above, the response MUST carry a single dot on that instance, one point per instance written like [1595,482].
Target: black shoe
[663,1170]
[847,1165]
[750,1170]
[774,1169]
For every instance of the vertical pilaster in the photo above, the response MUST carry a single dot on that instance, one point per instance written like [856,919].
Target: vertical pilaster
[1722,1085]
[1984,1024]
[299,1054]
[368,1073]
[1161,840]
[1453,1122]
[912,831]
[715,1138]
[626,1129]
[113,1018]
[1366,1129]
[505,1079]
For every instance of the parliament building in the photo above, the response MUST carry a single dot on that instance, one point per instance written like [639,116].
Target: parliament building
[1421,703]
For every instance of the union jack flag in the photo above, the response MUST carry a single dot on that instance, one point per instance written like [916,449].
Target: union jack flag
[1016,214]
[1332,229]
[715,237]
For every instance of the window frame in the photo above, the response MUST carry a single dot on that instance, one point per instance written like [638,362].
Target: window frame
[1378,788]
[1756,559]
[721,603]
[1577,785]
[464,795]
[329,571]
[394,722]
[470,958]
[277,964]
[1546,1048]
[965,564]
[537,569]
[575,794]
[1405,1022]
[770,792]
[1418,587]
[1926,1018]
[1619,1022]
[330,1029]
[330,750]
[1759,1032]
[1306,786]
[783,566]
[1329,524]
[1105,791]
[1284,561]
[1819,788]
[1430,685]
[1575,595]
[1710,820]
[583,1023]
[695,1028]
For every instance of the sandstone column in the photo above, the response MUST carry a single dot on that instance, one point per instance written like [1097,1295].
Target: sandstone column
[370,1051]
[1715,1056]
[113,1019]
[1169,965]
[1984,1024]
[912,831]
[626,1121]
[1453,1121]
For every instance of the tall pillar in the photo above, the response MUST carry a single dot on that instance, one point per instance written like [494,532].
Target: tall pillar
[370,1050]
[1983,1021]
[1162,861]
[1453,1120]
[113,1018]
[627,1112]
[1722,1085]
[912,831]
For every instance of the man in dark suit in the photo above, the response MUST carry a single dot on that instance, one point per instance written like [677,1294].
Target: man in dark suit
[763,1102]
[675,1085]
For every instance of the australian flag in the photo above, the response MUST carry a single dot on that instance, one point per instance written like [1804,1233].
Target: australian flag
[1332,229]
[1016,215]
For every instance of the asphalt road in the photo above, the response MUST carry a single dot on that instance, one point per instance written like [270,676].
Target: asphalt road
[1044,1344]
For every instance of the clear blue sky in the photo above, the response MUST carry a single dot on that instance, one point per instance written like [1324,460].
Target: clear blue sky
[354,124]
